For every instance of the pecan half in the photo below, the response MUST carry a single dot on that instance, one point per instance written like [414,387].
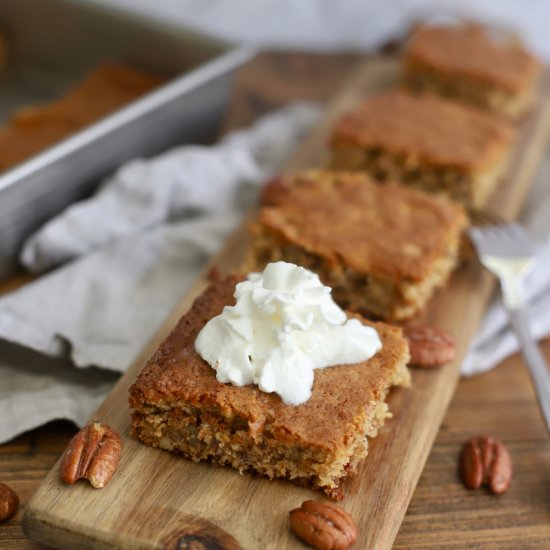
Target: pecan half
[485,461]
[429,347]
[273,191]
[9,502]
[93,453]
[323,526]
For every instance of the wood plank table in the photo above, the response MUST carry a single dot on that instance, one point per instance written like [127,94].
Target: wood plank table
[502,402]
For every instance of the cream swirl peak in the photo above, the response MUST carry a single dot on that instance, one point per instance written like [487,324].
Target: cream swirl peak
[283,326]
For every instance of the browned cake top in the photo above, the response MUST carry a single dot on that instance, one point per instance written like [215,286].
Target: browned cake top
[340,394]
[348,219]
[104,89]
[472,51]
[426,130]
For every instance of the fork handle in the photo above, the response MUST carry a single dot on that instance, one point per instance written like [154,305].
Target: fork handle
[535,361]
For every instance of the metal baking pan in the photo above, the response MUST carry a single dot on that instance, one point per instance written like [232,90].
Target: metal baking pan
[53,43]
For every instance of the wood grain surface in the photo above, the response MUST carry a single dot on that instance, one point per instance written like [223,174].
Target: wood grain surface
[442,512]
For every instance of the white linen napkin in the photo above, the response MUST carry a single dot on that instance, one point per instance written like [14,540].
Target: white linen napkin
[129,253]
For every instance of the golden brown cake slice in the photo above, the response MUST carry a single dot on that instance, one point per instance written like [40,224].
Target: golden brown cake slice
[180,406]
[427,142]
[474,64]
[383,249]
[105,89]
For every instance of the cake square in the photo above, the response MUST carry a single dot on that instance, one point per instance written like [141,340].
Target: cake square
[383,249]
[180,406]
[425,141]
[468,62]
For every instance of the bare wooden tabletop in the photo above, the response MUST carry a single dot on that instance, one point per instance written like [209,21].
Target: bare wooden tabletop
[442,513]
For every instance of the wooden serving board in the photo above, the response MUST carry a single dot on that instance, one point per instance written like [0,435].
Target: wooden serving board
[156,498]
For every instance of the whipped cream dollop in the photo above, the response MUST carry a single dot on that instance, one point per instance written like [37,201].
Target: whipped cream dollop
[283,326]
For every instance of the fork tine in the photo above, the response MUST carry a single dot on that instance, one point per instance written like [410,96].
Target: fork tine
[497,226]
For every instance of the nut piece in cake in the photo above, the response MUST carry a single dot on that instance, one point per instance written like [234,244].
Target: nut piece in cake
[426,142]
[180,406]
[486,68]
[383,249]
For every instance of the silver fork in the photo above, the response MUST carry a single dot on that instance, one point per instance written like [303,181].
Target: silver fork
[506,249]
